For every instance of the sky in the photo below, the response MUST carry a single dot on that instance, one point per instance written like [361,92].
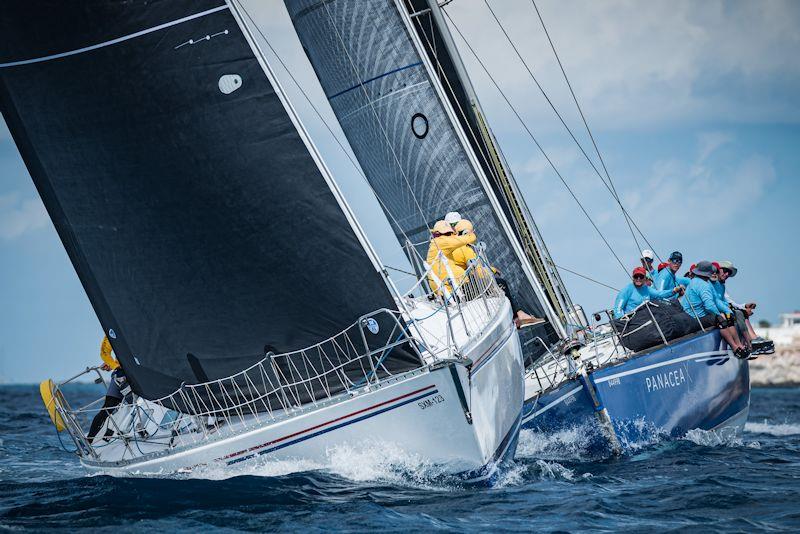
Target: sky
[694,106]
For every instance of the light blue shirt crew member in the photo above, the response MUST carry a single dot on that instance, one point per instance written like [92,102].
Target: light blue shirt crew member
[667,280]
[700,299]
[634,294]
[719,293]
[668,277]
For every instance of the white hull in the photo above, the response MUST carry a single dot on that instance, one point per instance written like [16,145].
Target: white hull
[420,412]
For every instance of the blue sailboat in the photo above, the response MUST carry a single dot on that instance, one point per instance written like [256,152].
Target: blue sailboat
[622,399]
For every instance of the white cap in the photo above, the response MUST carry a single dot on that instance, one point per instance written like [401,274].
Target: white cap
[453,217]
[647,253]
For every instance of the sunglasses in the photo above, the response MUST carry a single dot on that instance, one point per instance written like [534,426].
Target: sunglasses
[638,277]
[677,261]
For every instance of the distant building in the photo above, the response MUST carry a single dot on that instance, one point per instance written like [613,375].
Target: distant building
[783,367]
[790,320]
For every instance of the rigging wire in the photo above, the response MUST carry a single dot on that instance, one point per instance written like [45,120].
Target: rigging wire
[355,165]
[582,276]
[628,217]
[611,189]
[538,145]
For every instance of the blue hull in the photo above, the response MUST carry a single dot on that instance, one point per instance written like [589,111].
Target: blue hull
[690,384]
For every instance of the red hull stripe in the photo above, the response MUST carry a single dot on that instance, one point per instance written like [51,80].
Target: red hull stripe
[486,356]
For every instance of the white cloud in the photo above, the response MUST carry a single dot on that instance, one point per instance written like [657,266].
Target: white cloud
[635,65]
[709,142]
[686,193]
[19,216]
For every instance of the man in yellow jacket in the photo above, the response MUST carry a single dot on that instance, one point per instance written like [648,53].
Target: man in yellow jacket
[445,241]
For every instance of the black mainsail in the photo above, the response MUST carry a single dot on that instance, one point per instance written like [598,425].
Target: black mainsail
[199,220]
[399,127]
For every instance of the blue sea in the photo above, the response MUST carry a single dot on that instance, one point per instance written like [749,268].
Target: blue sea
[748,484]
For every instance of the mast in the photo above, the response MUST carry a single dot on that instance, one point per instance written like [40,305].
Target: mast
[528,233]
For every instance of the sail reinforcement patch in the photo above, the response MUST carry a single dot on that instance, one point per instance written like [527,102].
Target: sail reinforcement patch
[229,83]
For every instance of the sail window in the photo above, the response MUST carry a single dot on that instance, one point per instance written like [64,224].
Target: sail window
[419,125]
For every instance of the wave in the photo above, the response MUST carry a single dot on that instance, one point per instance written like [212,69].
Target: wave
[711,438]
[368,462]
[773,429]
[568,444]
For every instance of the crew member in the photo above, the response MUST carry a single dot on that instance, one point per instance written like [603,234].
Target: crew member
[114,393]
[719,291]
[636,293]
[464,255]
[668,278]
[452,218]
[700,303]
[743,312]
[647,260]
[445,240]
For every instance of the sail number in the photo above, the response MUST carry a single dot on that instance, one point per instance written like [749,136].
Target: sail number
[431,401]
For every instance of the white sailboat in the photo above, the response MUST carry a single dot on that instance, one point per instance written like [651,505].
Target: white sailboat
[250,315]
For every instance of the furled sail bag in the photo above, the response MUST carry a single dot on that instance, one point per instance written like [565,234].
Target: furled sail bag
[640,330]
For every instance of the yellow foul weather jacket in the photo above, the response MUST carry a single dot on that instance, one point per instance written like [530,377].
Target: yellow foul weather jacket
[447,244]
[105,354]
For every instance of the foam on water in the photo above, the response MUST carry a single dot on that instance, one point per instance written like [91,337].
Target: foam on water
[368,461]
[714,438]
[555,470]
[568,444]
[773,429]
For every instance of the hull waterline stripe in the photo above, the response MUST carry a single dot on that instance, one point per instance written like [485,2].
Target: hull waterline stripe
[113,41]
[716,353]
[331,429]
[365,82]
[559,400]
[310,429]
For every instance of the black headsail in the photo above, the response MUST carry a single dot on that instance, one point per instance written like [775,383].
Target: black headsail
[196,216]
[402,133]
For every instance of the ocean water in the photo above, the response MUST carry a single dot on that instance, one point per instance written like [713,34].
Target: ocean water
[748,484]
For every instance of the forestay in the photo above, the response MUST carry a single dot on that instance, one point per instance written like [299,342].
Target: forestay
[200,224]
[400,131]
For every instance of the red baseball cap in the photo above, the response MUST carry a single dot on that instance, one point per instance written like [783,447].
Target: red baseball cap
[639,270]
